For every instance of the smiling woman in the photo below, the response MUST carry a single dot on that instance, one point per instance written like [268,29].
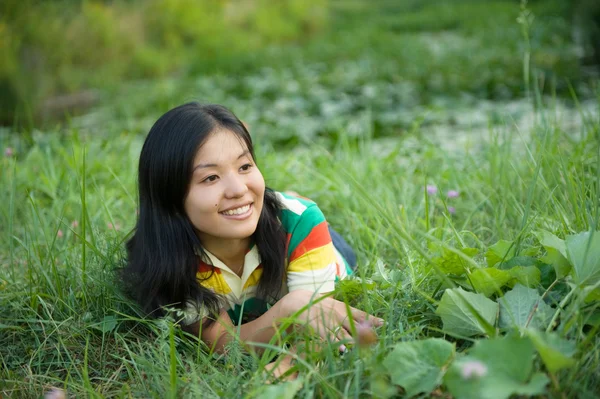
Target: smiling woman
[211,239]
[225,197]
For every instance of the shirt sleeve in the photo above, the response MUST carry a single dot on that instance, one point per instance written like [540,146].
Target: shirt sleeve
[312,263]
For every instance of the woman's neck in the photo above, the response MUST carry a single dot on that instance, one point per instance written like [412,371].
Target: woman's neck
[231,252]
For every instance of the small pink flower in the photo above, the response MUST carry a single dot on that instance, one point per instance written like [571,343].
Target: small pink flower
[431,189]
[8,152]
[365,334]
[55,393]
[451,210]
[60,234]
[473,369]
[115,226]
[74,224]
[453,194]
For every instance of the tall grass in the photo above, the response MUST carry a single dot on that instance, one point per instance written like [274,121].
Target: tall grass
[64,322]
[69,203]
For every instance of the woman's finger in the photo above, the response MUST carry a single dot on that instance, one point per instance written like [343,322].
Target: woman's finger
[357,316]
[343,335]
[362,317]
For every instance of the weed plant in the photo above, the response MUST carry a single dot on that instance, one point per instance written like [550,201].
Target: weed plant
[414,213]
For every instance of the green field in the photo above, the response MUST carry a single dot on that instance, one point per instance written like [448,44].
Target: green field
[456,148]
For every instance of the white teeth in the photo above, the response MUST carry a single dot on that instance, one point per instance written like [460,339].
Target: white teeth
[237,211]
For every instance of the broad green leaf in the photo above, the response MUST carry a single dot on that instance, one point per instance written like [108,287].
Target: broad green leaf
[561,265]
[284,390]
[556,252]
[593,295]
[549,240]
[382,388]
[418,366]
[465,313]
[107,324]
[502,250]
[555,352]
[518,261]
[381,273]
[496,369]
[536,386]
[452,263]
[529,276]
[489,280]
[583,251]
[522,307]
[593,319]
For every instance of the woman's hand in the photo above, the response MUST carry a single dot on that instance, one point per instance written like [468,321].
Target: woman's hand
[326,316]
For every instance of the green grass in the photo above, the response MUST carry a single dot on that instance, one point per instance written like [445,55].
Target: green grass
[64,324]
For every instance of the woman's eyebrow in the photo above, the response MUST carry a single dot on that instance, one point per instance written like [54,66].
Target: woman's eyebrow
[214,165]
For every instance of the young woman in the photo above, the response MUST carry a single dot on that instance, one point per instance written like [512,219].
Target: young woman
[212,240]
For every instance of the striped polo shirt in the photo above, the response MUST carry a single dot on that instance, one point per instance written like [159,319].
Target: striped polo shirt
[312,263]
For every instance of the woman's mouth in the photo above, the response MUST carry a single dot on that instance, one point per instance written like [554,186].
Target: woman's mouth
[238,213]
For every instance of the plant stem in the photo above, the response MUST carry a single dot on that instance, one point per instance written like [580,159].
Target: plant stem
[556,386]
[530,317]
[559,308]
[549,288]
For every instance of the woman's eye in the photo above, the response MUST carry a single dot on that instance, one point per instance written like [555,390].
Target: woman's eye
[246,167]
[210,178]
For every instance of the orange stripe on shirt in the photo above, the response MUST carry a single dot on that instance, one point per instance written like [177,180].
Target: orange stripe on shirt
[316,259]
[318,237]
[206,268]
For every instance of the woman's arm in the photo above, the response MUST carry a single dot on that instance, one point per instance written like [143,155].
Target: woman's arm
[327,317]
[222,330]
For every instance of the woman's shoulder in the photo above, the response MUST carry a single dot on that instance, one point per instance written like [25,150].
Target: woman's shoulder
[294,202]
[298,210]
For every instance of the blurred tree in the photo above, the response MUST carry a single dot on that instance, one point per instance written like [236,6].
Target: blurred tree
[586,28]
[51,50]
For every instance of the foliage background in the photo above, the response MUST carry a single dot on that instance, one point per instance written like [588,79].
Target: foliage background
[55,48]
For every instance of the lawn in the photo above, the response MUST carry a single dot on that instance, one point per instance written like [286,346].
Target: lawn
[459,157]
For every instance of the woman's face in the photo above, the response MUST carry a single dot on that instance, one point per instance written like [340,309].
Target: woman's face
[225,196]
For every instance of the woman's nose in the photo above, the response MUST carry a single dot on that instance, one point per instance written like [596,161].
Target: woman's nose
[236,187]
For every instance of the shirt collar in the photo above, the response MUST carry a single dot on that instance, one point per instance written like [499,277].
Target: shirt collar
[251,262]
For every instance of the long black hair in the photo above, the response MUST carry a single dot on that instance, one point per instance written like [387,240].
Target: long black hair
[162,254]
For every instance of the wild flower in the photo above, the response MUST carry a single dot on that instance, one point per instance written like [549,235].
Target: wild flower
[60,234]
[431,189]
[452,194]
[365,334]
[55,393]
[74,224]
[8,152]
[115,226]
[451,210]
[473,369]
